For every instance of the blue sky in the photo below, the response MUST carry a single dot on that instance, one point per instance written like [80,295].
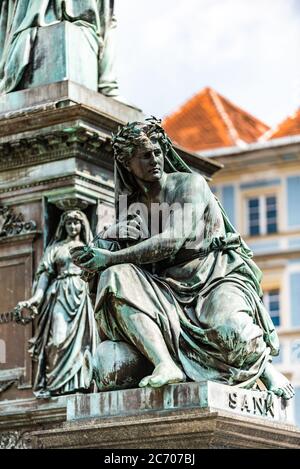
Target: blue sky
[248,50]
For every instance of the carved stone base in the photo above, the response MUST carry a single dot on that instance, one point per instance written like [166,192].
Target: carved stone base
[60,63]
[15,440]
[189,429]
[181,396]
[184,416]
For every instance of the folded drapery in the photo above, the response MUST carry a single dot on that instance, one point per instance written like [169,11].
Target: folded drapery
[19,23]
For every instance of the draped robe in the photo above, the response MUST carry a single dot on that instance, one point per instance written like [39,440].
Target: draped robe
[19,23]
[206,299]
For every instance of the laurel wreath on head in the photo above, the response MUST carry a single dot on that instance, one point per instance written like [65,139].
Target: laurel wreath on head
[130,136]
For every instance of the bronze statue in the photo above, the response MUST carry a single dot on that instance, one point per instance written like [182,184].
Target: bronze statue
[66,326]
[187,296]
[19,23]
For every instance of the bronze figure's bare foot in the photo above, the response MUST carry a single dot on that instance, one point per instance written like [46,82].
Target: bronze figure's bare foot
[164,373]
[277,382]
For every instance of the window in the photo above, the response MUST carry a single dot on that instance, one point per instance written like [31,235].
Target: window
[272,303]
[253,213]
[271,214]
[262,215]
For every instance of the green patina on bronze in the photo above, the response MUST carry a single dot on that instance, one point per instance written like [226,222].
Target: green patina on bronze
[21,20]
[66,327]
[193,309]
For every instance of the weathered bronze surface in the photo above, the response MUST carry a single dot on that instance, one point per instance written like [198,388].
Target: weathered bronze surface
[33,48]
[184,290]
[66,326]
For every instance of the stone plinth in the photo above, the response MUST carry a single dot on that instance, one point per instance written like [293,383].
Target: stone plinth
[74,57]
[62,94]
[184,416]
[189,429]
[179,397]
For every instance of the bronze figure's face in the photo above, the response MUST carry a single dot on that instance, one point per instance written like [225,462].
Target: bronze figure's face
[73,227]
[147,163]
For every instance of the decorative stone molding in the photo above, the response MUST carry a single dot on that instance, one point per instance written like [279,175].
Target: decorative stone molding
[74,203]
[104,187]
[60,144]
[12,224]
[15,440]
[27,112]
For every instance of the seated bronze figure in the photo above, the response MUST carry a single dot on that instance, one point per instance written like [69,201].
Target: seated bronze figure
[186,294]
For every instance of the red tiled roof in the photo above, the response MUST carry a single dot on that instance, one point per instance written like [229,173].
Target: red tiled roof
[290,126]
[208,120]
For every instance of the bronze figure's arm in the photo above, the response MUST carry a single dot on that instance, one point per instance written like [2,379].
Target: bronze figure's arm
[158,247]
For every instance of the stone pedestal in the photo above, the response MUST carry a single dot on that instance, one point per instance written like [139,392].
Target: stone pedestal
[207,394]
[184,416]
[75,57]
[189,429]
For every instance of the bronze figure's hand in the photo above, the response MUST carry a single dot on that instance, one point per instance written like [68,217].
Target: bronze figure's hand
[130,229]
[18,312]
[91,259]
[33,302]
[80,254]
